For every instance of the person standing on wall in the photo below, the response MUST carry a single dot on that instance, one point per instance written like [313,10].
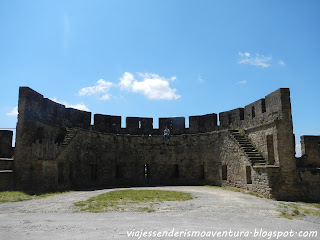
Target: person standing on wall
[166,134]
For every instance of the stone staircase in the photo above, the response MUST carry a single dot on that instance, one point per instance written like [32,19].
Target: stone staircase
[253,155]
[71,132]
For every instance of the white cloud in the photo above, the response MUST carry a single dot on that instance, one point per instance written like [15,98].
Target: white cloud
[246,54]
[243,82]
[13,112]
[258,60]
[126,81]
[281,63]
[79,106]
[155,89]
[101,86]
[105,97]
[152,86]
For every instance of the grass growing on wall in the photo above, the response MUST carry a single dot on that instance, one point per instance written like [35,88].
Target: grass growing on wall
[15,196]
[130,200]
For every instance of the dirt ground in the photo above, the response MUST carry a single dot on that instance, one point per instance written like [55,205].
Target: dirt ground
[212,211]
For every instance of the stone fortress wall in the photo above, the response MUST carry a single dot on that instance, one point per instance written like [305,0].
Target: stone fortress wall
[252,148]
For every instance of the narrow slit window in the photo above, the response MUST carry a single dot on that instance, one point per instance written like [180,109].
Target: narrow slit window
[229,118]
[224,169]
[248,174]
[201,175]
[241,114]
[253,112]
[60,173]
[263,105]
[70,172]
[93,172]
[118,171]
[175,171]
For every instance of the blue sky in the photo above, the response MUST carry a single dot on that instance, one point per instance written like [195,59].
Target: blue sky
[162,58]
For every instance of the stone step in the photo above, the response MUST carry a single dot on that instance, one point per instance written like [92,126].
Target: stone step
[256,159]
[68,137]
[6,163]
[253,155]
[6,171]
[233,130]
[245,145]
[250,149]
[241,139]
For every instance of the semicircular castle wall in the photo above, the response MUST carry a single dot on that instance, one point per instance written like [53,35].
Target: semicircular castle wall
[252,148]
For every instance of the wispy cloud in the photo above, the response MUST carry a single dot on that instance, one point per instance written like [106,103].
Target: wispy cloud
[243,82]
[79,106]
[105,97]
[257,60]
[281,63]
[13,112]
[200,78]
[101,86]
[66,34]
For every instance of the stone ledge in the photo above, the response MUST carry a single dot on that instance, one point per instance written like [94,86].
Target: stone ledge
[6,171]
[6,159]
[267,166]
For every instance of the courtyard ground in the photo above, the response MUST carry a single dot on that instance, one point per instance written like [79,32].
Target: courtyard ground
[213,211]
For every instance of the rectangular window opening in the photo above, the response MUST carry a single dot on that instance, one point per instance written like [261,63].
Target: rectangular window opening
[241,114]
[139,124]
[263,105]
[175,171]
[93,172]
[60,173]
[248,174]
[70,172]
[229,118]
[253,112]
[118,171]
[201,175]
[224,169]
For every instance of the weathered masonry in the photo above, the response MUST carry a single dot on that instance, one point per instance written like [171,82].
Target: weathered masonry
[253,148]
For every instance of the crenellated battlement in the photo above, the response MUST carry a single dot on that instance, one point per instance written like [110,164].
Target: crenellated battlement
[59,148]
[274,106]
[33,106]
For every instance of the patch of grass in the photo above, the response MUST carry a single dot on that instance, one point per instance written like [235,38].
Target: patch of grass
[16,196]
[233,189]
[242,132]
[298,210]
[130,200]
